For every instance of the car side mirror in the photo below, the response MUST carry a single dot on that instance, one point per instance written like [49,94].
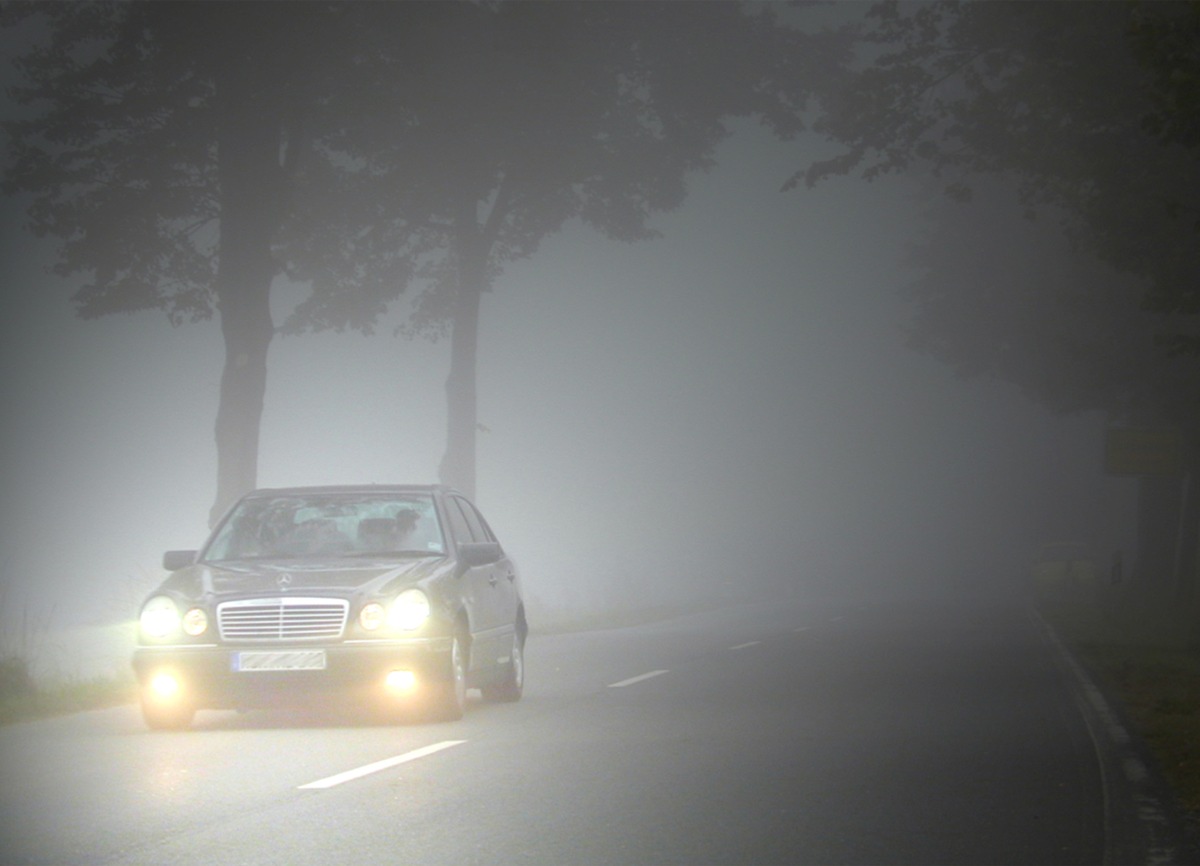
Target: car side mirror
[476,553]
[173,560]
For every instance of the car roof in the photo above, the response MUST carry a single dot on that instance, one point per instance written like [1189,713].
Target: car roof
[318,490]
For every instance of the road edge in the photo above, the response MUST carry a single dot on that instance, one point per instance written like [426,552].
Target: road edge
[1143,821]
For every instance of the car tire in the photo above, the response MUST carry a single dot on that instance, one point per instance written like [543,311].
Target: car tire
[448,697]
[160,716]
[511,685]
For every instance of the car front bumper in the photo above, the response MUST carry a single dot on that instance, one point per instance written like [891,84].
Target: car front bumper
[211,676]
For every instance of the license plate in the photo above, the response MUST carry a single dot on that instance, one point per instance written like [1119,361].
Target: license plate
[280,660]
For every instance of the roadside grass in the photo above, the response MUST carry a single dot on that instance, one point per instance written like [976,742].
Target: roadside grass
[21,701]
[1148,662]
[25,694]
[47,671]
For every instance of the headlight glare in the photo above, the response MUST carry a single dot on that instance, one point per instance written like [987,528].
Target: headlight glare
[409,611]
[164,685]
[160,617]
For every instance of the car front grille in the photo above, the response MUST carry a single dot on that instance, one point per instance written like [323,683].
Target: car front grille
[283,618]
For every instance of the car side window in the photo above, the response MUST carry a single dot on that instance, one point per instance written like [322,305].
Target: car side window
[487,529]
[478,533]
[458,523]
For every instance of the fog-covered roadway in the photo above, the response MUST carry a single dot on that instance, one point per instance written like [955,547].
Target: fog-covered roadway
[790,732]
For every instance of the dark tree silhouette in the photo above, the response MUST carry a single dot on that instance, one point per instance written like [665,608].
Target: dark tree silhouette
[1088,108]
[511,119]
[170,147]
[186,154]
[1090,112]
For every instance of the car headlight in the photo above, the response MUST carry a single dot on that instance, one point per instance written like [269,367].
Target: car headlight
[371,616]
[160,617]
[195,622]
[409,611]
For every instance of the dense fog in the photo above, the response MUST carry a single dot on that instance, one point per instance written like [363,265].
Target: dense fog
[729,410]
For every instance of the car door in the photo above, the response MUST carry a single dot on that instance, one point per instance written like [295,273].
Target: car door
[482,589]
[504,576]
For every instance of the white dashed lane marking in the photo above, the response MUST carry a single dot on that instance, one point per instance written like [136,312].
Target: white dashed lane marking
[746,644]
[637,679]
[358,773]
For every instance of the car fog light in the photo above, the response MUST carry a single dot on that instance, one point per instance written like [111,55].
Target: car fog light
[401,681]
[164,685]
[195,622]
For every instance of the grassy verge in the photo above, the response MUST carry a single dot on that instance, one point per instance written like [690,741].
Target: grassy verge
[22,698]
[1150,663]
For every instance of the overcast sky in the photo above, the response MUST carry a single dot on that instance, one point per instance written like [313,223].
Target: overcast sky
[729,406]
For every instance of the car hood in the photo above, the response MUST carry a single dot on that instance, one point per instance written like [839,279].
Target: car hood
[243,578]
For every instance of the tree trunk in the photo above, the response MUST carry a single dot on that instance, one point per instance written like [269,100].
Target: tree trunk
[248,166]
[458,463]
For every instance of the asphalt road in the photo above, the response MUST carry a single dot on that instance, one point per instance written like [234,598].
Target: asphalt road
[933,732]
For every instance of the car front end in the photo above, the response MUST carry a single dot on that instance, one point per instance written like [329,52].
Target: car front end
[231,630]
[287,649]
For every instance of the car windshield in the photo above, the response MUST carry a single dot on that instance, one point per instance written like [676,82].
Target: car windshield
[293,526]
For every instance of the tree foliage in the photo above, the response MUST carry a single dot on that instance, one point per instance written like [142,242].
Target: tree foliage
[1090,112]
[1167,45]
[170,149]
[1089,109]
[121,150]
[509,120]
[185,154]
[121,175]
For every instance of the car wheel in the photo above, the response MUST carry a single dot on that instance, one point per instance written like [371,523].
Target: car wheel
[161,715]
[510,686]
[448,698]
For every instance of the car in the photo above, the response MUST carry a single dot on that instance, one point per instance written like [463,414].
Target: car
[393,597]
